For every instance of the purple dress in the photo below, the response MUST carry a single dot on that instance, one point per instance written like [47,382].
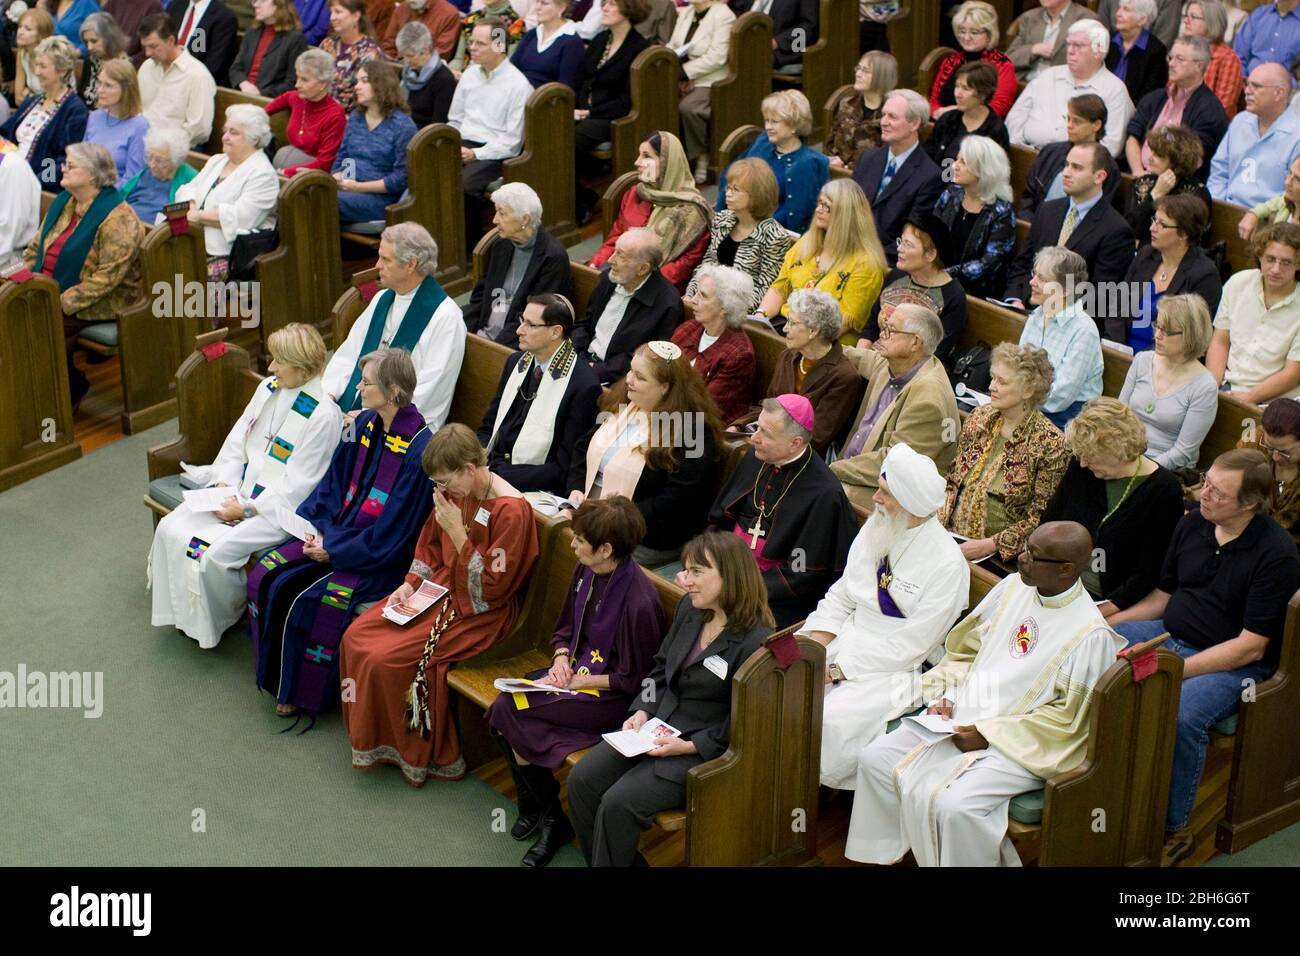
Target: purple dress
[619,625]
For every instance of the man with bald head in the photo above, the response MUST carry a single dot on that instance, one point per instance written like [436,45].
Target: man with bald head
[1250,165]
[1009,707]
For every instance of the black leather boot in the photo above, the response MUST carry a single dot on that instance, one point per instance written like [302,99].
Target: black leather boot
[557,831]
[531,805]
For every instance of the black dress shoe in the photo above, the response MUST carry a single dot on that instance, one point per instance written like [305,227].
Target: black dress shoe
[557,833]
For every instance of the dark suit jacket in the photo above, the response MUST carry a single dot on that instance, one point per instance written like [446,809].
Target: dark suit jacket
[914,189]
[1148,69]
[220,29]
[548,271]
[276,74]
[1044,169]
[788,18]
[1203,115]
[1103,238]
[653,313]
[607,90]
[691,697]
[1196,273]
[573,419]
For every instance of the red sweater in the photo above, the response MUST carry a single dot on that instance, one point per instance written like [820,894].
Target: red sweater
[635,212]
[315,128]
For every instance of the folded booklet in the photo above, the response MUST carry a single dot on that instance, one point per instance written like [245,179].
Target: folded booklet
[425,597]
[631,743]
[522,685]
[548,504]
[295,524]
[212,499]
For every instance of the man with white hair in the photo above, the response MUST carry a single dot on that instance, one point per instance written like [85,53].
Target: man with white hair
[1251,163]
[1040,39]
[524,261]
[438,16]
[1009,707]
[905,584]
[413,313]
[1039,114]
[908,400]
[783,501]
[899,177]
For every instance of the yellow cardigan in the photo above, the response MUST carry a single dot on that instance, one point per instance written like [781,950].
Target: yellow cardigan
[855,289]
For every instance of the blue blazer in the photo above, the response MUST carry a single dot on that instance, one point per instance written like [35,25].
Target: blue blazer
[68,125]
[914,190]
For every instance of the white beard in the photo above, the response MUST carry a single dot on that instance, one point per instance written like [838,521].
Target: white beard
[881,533]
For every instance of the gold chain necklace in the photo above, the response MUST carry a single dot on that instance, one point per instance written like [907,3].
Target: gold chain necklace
[757,531]
[1124,496]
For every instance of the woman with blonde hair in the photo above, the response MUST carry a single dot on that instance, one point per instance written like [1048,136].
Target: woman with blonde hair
[118,123]
[667,201]
[33,27]
[975,25]
[800,171]
[723,619]
[275,454]
[53,115]
[1128,503]
[840,254]
[979,216]
[856,126]
[1010,458]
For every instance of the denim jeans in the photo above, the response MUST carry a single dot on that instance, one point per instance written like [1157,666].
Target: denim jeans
[1062,418]
[1206,699]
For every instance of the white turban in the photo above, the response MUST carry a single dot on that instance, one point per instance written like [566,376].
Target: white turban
[913,481]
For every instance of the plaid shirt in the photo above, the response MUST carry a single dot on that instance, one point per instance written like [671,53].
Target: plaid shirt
[1073,343]
[727,366]
[1224,77]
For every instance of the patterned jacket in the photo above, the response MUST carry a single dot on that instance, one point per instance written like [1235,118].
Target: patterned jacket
[1034,460]
[854,130]
[759,254]
[110,276]
[982,265]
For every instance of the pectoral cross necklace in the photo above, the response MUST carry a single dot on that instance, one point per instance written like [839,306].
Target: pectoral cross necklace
[757,531]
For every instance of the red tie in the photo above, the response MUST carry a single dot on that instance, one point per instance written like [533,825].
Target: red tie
[189,22]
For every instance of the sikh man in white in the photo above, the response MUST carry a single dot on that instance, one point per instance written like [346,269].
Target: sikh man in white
[417,316]
[273,458]
[1012,706]
[905,584]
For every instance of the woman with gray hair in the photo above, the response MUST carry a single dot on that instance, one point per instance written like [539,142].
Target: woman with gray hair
[89,243]
[104,41]
[235,192]
[165,172]
[51,117]
[979,216]
[816,367]
[713,340]
[427,80]
[1069,335]
[316,120]
[1137,56]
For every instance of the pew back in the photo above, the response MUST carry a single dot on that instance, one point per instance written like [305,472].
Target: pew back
[736,99]
[547,154]
[436,201]
[654,105]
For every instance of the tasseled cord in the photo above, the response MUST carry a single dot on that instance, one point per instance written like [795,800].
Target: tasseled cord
[417,696]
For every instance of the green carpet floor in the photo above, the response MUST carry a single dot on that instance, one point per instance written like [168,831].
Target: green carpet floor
[182,730]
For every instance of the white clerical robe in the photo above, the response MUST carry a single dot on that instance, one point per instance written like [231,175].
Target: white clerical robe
[205,597]
[1021,668]
[20,205]
[437,355]
[881,655]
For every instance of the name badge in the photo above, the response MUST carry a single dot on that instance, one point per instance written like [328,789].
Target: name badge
[717,666]
[906,587]
[482,517]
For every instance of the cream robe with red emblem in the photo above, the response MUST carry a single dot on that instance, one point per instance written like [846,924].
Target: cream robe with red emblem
[1021,668]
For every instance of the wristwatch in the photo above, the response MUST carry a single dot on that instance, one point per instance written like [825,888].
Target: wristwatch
[837,675]
[249,512]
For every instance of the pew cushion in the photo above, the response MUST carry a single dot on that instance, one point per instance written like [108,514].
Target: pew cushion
[101,333]
[372,228]
[167,491]
[1027,807]
[1227,726]
[793,69]
[474,681]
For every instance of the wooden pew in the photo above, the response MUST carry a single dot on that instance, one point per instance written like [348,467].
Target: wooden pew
[36,433]
[302,277]
[155,336]
[734,145]
[911,38]
[612,201]
[655,99]
[737,98]
[833,106]
[768,349]
[546,156]
[929,67]
[227,97]
[1022,157]
[1224,220]
[827,64]
[1264,790]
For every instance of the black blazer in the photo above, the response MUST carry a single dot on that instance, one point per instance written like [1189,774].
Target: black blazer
[1204,115]
[219,28]
[949,130]
[653,313]
[675,504]
[573,419]
[914,190]
[793,20]
[692,697]
[1196,273]
[548,271]
[607,90]
[1147,69]
[1044,170]
[1103,238]
[1134,540]
[432,102]
[277,74]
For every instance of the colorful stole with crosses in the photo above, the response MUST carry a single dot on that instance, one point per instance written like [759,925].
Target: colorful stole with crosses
[335,611]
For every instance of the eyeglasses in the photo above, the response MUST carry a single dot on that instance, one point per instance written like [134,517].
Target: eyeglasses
[1252,85]
[440,482]
[862,70]
[887,331]
[1275,261]
[1179,58]
[971,34]
[824,205]
[532,325]
[1028,552]
[1192,16]
[1211,492]
[1162,224]
[1166,330]
[1270,450]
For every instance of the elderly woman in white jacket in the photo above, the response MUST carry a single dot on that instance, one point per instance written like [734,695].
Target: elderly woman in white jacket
[235,193]
[272,459]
